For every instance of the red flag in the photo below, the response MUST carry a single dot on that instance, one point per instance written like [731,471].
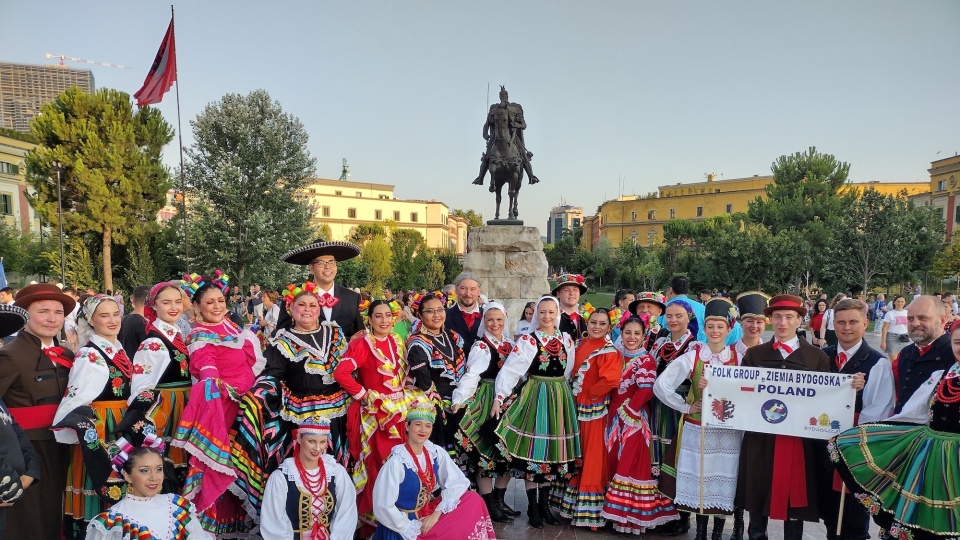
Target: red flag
[162,73]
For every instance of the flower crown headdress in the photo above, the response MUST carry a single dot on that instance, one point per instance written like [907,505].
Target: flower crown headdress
[191,283]
[292,291]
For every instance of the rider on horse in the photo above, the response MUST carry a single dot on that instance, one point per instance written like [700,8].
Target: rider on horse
[516,126]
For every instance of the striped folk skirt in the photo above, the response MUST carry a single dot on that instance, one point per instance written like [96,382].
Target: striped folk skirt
[166,416]
[539,433]
[477,437]
[84,500]
[906,476]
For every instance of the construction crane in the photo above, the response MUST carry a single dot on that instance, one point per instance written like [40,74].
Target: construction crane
[85,61]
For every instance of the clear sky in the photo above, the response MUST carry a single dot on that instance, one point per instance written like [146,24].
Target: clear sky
[636,93]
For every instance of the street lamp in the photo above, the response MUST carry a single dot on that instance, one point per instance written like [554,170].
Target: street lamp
[63,261]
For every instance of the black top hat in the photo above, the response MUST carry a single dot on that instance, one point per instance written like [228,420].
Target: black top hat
[751,304]
[341,251]
[12,319]
[720,308]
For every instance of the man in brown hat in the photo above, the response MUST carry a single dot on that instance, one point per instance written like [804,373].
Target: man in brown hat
[33,378]
[778,473]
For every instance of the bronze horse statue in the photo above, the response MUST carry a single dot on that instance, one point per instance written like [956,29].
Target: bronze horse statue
[506,165]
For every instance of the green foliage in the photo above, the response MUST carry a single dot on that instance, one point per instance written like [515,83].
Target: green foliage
[113,182]
[410,259]
[560,254]
[473,218]
[14,134]
[364,233]
[79,267]
[638,268]
[247,170]
[352,273]
[948,261]
[376,256]
[452,267]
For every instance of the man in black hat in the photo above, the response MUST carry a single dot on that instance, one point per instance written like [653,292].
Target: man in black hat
[34,369]
[338,304]
[569,289]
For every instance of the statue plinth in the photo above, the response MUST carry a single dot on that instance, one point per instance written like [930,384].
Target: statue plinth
[505,222]
[511,266]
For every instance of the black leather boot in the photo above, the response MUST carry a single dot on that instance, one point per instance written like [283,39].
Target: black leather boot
[499,494]
[702,522]
[545,512]
[495,510]
[737,533]
[533,510]
[717,528]
[792,529]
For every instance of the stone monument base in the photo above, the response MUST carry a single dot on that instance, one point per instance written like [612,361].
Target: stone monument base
[511,266]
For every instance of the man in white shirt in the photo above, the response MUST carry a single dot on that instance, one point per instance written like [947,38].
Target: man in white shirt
[874,403]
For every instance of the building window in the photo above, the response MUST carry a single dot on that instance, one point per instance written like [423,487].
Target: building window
[942,185]
[338,192]
[413,217]
[956,213]
[673,213]
[384,197]
[699,211]
[359,194]
[378,215]
[651,215]
[6,204]
[940,211]
[325,211]
[576,223]
[9,168]
[396,215]
[716,190]
[633,216]
[729,208]
[633,235]
[651,236]
[352,213]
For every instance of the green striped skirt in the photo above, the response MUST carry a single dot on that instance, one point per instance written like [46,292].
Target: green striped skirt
[908,475]
[539,433]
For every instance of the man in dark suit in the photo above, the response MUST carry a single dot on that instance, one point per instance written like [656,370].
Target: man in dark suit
[338,304]
[34,369]
[569,289]
[874,403]
[777,475]
[921,363]
[465,317]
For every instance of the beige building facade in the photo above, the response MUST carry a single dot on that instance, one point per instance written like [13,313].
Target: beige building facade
[14,208]
[342,205]
[942,191]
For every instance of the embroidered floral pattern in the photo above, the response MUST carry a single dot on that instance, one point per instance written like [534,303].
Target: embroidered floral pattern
[869,502]
[118,382]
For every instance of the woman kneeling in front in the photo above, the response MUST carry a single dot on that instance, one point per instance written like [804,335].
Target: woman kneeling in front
[420,493]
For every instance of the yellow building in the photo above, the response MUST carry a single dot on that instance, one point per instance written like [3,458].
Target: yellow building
[14,208]
[943,190]
[342,205]
[640,218]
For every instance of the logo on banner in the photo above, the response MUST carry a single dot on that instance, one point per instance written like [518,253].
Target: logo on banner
[722,409]
[774,411]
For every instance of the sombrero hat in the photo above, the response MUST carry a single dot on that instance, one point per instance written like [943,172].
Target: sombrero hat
[12,319]
[341,251]
[44,291]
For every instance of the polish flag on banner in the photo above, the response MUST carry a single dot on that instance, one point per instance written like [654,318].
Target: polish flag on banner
[162,74]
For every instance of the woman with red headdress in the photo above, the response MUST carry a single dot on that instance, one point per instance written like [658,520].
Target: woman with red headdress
[161,382]
[224,360]
[311,496]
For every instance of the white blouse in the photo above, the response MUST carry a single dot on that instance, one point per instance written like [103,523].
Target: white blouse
[477,362]
[156,513]
[517,364]
[452,482]
[274,521]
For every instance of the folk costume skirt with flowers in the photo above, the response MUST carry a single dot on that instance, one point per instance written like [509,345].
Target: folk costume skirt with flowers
[83,500]
[477,436]
[166,417]
[906,476]
[539,433]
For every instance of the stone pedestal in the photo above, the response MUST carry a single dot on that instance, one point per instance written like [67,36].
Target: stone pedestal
[511,266]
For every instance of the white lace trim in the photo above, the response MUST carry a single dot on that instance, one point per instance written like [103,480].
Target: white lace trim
[401,453]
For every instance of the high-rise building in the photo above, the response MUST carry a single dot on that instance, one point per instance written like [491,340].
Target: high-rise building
[24,88]
[563,217]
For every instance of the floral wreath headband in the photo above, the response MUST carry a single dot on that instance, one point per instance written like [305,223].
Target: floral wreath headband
[615,314]
[418,299]
[396,308]
[292,291]
[191,283]
[120,449]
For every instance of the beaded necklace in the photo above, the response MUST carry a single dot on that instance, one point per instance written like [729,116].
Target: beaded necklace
[426,475]
[949,390]
[316,485]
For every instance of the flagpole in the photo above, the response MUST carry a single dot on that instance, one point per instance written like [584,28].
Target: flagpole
[183,182]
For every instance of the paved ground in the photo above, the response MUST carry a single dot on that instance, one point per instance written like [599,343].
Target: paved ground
[519,529]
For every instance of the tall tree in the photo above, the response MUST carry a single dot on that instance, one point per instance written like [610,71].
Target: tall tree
[246,171]
[409,259]
[112,180]
[376,256]
[809,193]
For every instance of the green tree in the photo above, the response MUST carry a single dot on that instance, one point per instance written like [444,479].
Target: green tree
[947,263]
[113,182]
[79,267]
[352,273]
[452,267]
[364,232]
[247,170]
[473,218]
[809,193]
[376,256]
[877,237]
[560,255]
[410,258]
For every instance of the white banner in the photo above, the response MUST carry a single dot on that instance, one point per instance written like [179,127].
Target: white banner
[809,404]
